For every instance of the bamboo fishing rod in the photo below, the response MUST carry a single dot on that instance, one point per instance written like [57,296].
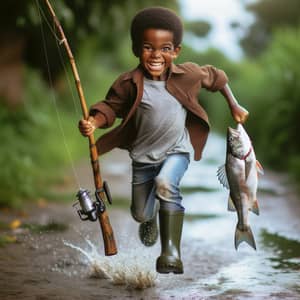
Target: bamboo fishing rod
[102,191]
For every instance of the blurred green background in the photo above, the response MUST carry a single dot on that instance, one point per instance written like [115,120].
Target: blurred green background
[40,108]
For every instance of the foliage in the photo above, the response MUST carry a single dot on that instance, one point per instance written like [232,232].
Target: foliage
[270,15]
[32,143]
[282,74]
[198,28]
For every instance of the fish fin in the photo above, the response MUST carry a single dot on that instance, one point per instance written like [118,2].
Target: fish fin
[254,208]
[259,168]
[244,236]
[221,174]
[231,206]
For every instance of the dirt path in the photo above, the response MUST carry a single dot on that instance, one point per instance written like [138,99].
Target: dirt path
[44,265]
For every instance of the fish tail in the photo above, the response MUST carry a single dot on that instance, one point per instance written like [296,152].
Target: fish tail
[244,236]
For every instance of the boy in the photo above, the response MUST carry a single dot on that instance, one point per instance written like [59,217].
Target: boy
[161,122]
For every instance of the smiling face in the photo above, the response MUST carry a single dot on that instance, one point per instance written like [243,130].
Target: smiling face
[157,53]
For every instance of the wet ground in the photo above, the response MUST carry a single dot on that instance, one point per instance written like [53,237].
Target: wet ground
[51,254]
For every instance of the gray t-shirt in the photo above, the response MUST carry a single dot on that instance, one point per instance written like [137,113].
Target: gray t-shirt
[160,122]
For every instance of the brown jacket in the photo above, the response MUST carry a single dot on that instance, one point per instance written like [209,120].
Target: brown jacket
[184,82]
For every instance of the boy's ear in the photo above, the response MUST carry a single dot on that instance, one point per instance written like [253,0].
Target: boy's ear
[176,51]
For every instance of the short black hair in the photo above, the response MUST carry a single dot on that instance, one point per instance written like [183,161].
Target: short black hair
[157,18]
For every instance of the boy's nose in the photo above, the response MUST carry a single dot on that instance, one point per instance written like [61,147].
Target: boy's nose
[156,53]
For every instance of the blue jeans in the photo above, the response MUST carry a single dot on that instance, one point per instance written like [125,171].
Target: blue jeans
[155,185]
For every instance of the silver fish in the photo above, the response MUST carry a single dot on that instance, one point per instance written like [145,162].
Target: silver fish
[240,176]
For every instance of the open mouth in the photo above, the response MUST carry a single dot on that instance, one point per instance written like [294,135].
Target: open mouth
[155,66]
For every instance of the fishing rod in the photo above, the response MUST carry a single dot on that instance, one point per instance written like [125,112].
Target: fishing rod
[89,209]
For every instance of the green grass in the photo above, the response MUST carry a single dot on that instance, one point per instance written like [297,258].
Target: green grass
[285,250]
[195,189]
[7,239]
[52,226]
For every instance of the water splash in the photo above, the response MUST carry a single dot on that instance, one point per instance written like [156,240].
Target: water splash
[133,269]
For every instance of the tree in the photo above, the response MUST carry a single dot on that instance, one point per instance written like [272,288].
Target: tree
[198,28]
[270,15]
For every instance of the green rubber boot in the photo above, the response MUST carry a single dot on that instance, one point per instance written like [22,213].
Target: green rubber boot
[148,232]
[170,223]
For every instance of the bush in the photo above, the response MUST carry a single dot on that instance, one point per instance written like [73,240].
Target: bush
[40,139]
[281,65]
[33,142]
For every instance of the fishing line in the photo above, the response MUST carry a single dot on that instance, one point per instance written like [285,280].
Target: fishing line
[68,78]
[59,43]
[54,97]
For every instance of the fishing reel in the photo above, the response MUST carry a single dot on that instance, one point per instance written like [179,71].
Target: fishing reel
[90,209]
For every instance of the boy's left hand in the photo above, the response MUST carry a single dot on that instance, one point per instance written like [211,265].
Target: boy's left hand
[239,113]
[87,127]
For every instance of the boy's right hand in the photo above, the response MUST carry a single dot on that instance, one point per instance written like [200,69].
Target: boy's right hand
[87,127]
[239,113]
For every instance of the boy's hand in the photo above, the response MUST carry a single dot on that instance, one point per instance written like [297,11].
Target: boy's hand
[87,127]
[239,113]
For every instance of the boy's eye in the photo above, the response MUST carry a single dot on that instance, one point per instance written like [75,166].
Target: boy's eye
[147,48]
[166,49]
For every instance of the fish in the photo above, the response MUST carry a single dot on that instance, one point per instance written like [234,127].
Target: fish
[239,175]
